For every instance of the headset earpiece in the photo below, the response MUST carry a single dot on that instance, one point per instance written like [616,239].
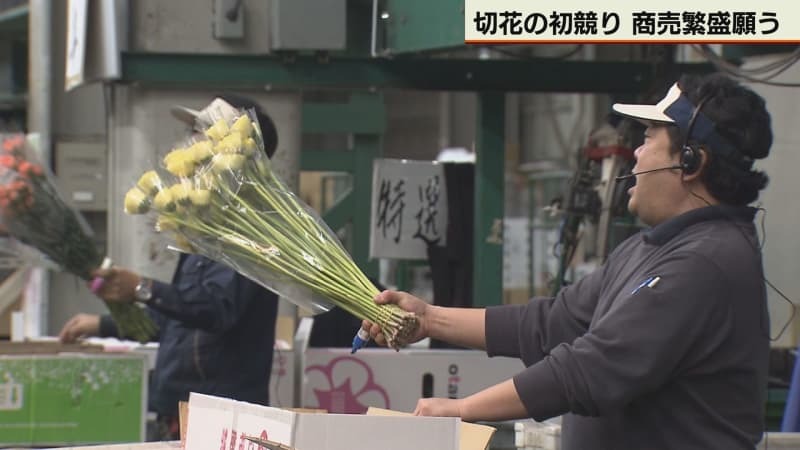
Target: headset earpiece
[690,160]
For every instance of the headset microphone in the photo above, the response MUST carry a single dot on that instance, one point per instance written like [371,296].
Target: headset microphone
[633,174]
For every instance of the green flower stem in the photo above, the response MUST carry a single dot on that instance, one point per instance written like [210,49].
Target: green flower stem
[291,247]
[310,226]
[326,285]
[290,212]
[286,266]
[370,293]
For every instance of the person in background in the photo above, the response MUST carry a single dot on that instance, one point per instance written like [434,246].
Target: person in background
[216,326]
[334,328]
[666,345]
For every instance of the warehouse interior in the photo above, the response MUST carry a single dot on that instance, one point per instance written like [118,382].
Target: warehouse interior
[471,176]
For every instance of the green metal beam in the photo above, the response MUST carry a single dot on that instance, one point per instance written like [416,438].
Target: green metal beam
[327,160]
[736,53]
[340,213]
[300,71]
[487,275]
[361,114]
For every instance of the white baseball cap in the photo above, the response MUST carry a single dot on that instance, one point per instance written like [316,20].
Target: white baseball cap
[207,116]
[676,109]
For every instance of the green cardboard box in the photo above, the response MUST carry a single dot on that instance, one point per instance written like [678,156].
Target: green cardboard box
[71,398]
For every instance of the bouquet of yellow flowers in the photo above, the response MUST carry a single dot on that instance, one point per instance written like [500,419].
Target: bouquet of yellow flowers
[34,214]
[218,196]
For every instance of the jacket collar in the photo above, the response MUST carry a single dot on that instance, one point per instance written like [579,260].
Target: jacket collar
[663,232]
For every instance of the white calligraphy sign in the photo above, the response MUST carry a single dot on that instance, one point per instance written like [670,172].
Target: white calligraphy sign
[409,208]
[76,42]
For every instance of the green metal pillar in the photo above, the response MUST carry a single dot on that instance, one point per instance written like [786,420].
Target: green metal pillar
[487,279]
[367,148]
[364,117]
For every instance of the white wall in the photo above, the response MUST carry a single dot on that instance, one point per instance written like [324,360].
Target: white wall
[186,26]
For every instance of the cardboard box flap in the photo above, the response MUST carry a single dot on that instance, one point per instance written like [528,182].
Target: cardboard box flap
[217,423]
[357,431]
[215,419]
[473,436]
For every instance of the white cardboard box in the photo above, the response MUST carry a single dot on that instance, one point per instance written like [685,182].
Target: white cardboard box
[281,381]
[336,381]
[215,423]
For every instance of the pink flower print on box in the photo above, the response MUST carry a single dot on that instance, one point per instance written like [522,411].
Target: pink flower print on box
[346,385]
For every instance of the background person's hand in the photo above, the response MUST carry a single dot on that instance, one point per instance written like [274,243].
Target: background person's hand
[406,302]
[79,326]
[439,407]
[119,285]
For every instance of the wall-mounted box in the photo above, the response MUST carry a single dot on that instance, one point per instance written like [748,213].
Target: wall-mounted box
[81,170]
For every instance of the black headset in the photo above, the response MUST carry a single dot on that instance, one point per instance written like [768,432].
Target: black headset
[690,163]
[691,159]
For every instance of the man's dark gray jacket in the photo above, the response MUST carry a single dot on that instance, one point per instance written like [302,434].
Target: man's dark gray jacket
[633,363]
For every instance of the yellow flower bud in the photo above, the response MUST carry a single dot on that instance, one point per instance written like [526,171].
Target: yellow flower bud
[218,131]
[181,165]
[136,201]
[202,151]
[227,162]
[149,182]
[180,192]
[249,146]
[200,197]
[176,153]
[231,143]
[243,126]
[163,201]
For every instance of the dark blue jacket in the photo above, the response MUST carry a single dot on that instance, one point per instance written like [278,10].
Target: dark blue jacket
[216,335]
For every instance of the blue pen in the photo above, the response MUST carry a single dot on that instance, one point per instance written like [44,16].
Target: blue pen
[360,340]
[649,282]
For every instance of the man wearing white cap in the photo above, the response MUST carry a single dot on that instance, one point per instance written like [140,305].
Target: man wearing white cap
[216,326]
[666,345]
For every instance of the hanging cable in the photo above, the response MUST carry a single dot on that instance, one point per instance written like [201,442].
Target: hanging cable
[771,70]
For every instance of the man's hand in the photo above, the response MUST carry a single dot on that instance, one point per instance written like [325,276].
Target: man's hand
[119,284]
[439,407]
[80,326]
[406,302]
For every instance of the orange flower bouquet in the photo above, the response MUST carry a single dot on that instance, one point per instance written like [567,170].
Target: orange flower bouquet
[33,213]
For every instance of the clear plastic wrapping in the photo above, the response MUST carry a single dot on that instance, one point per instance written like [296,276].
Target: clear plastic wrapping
[217,195]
